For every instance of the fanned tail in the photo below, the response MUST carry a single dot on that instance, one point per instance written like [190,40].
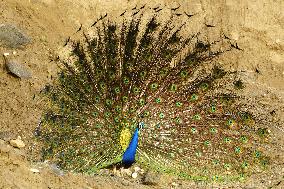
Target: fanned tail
[128,73]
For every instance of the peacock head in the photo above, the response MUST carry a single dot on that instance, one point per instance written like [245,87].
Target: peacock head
[141,125]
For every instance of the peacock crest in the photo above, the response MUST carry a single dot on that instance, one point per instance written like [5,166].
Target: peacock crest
[147,88]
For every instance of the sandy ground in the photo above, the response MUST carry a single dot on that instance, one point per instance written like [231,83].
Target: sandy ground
[257,27]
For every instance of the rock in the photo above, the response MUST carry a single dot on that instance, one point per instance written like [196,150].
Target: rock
[134,175]
[12,37]
[6,135]
[174,184]
[34,170]
[17,143]
[142,172]
[18,69]
[104,172]
[126,172]
[151,178]
[56,170]
[4,148]
[137,169]
[125,182]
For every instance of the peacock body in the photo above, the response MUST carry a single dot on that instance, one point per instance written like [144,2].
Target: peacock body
[144,92]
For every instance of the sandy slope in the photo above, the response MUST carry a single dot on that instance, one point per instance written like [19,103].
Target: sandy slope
[257,27]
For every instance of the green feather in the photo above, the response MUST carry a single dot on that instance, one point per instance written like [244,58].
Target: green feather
[195,126]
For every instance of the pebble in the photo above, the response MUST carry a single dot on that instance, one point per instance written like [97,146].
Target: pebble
[34,170]
[134,175]
[17,143]
[11,36]
[6,135]
[4,148]
[174,184]
[18,69]
[116,172]
[56,170]
[142,172]
[137,169]
[126,172]
[151,178]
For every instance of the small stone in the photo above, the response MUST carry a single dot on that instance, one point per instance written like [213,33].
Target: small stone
[125,182]
[4,148]
[142,172]
[174,184]
[151,178]
[104,172]
[116,172]
[17,143]
[174,5]
[6,54]
[12,37]
[134,175]
[18,69]
[126,172]
[56,170]
[6,135]
[34,170]
[137,169]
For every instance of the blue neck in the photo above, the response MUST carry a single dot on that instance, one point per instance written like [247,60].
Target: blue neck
[128,157]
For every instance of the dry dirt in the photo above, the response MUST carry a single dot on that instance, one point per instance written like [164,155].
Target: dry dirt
[257,27]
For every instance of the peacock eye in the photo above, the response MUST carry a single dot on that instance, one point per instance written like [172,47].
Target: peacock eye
[227,140]
[146,113]
[227,166]
[207,143]
[118,109]
[204,86]
[116,119]
[194,97]
[183,74]
[197,117]
[178,104]
[173,88]
[245,165]
[237,150]
[107,114]
[161,115]
[158,100]
[163,72]
[230,123]
[124,98]
[109,102]
[257,154]
[97,99]
[154,86]
[136,89]
[178,120]
[244,139]
[141,102]
[213,109]
[117,90]
[213,130]
[125,80]
[143,74]
[95,114]
[102,85]
[132,109]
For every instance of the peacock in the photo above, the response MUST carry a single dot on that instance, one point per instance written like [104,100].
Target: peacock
[146,91]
